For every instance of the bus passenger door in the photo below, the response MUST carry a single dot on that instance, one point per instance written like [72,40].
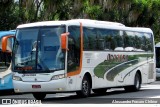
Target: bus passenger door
[73,56]
[5,72]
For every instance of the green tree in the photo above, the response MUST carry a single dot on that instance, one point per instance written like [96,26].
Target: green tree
[8,15]
[140,13]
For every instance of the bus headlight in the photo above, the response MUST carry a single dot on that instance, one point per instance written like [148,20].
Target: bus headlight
[17,78]
[56,77]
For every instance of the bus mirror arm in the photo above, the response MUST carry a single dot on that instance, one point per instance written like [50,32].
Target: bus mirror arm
[4,42]
[64,39]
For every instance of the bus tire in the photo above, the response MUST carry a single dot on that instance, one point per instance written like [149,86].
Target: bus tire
[137,84]
[39,95]
[100,91]
[85,88]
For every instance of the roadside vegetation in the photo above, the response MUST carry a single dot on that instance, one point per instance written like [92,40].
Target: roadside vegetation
[141,13]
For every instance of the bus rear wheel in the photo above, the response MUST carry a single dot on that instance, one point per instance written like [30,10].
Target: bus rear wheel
[137,84]
[85,88]
[39,95]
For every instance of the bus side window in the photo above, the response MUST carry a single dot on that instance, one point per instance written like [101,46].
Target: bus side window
[5,57]
[148,42]
[72,55]
[129,37]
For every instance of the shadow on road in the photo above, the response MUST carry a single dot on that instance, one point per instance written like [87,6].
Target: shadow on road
[147,91]
[93,99]
[6,92]
[9,92]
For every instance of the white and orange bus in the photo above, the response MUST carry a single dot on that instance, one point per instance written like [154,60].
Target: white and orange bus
[79,56]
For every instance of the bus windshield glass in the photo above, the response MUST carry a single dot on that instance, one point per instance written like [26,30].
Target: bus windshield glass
[38,49]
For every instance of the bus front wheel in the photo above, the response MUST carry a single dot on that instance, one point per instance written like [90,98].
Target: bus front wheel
[85,88]
[39,96]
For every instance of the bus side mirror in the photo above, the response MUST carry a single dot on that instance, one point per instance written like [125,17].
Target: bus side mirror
[5,40]
[64,38]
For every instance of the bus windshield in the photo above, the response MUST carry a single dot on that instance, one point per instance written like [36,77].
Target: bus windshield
[38,49]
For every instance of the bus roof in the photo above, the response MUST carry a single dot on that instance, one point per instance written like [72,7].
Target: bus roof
[4,33]
[158,44]
[84,21]
[87,23]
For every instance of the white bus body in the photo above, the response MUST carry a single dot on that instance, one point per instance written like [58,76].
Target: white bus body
[100,55]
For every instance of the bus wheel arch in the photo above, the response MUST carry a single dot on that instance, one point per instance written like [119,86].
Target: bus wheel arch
[139,73]
[88,75]
[137,83]
[86,86]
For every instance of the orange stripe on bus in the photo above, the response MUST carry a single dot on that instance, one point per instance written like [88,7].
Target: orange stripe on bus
[81,54]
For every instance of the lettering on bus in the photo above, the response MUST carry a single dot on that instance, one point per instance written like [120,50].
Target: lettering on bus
[28,75]
[117,58]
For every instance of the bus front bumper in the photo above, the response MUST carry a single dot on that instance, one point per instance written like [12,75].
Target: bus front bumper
[49,86]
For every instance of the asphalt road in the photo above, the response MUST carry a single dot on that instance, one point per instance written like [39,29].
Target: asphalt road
[149,92]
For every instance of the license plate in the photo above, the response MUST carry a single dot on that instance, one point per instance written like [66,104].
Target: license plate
[36,86]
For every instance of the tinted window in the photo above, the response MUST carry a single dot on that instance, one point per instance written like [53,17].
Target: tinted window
[102,39]
[116,40]
[129,40]
[73,61]
[139,41]
[90,38]
[148,42]
[5,57]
